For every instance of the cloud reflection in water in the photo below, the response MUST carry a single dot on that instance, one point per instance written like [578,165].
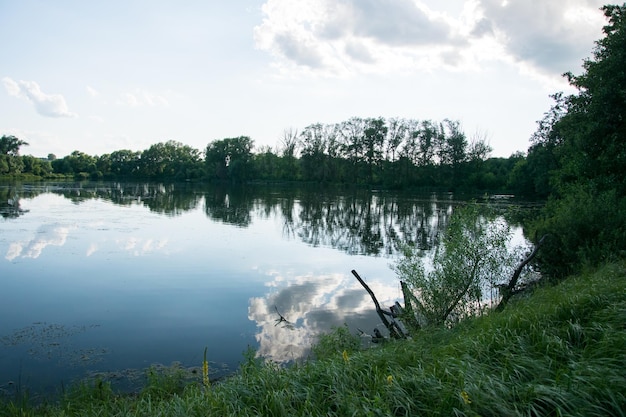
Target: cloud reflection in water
[313,304]
[47,234]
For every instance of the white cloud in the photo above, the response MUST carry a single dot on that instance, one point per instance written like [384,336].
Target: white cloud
[140,98]
[397,22]
[342,37]
[92,91]
[12,87]
[49,105]
[551,37]
[349,35]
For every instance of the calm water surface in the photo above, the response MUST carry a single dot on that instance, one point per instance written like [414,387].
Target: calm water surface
[110,278]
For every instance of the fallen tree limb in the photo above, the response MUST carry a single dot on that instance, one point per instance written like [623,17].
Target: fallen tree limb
[394,329]
[508,290]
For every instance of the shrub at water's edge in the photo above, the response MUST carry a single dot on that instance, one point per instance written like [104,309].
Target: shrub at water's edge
[470,261]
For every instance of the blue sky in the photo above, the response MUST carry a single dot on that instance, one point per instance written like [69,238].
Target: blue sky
[104,76]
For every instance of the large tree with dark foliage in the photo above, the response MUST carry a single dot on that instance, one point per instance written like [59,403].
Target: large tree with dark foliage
[585,138]
[170,160]
[10,162]
[229,159]
[595,123]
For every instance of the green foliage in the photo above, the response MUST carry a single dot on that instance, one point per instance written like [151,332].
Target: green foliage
[581,147]
[586,227]
[10,162]
[266,165]
[230,159]
[36,166]
[471,259]
[163,382]
[334,343]
[170,160]
[95,394]
[124,163]
[594,128]
[10,145]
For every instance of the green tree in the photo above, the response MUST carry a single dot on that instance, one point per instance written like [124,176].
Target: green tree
[453,152]
[36,166]
[477,153]
[374,137]
[81,164]
[266,164]
[167,160]
[427,137]
[230,159]
[536,175]
[333,153]
[10,145]
[586,215]
[10,162]
[289,147]
[351,135]
[595,123]
[471,259]
[397,131]
[125,163]
[103,165]
[313,144]
[61,166]
[427,134]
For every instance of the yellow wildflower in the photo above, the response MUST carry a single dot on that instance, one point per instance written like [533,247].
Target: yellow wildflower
[205,370]
[465,397]
[345,356]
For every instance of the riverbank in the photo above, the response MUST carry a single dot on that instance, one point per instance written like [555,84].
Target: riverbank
[559,351]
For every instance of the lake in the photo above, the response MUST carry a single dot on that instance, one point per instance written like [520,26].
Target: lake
[107,279]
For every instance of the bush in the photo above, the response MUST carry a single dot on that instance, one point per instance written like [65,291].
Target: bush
[471,259]
[586,228]
[336,342]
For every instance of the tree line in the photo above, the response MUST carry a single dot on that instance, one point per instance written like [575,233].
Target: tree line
[393,153]
[358,222]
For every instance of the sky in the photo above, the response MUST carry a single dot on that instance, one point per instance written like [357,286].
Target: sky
[99,76]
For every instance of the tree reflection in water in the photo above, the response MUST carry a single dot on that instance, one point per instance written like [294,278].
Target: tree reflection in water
[10,202]
[273,248]
[356,222]
[314,291]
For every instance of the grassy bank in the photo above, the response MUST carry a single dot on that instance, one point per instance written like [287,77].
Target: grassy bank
[559,351]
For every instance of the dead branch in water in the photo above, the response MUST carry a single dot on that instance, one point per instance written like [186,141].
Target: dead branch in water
[395,330]
[509,290]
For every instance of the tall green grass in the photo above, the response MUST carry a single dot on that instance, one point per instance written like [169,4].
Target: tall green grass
[560,351]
